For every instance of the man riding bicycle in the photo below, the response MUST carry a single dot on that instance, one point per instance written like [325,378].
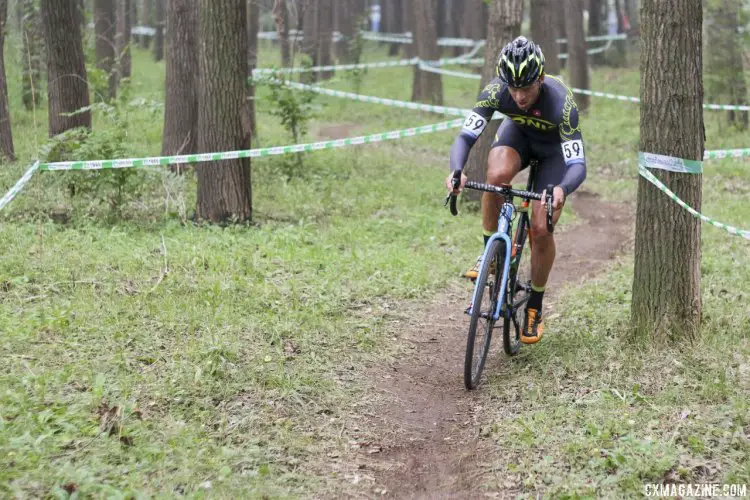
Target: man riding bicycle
[543,125]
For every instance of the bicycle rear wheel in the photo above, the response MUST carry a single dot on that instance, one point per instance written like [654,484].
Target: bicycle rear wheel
[481,323]
[519,288]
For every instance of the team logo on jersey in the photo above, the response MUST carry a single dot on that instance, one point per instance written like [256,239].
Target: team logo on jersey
[530,121]
[536,113]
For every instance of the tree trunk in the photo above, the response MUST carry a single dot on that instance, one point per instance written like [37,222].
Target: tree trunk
[181,102]
[281,18]
[595,26]
[633,10]
[147,19]
[311,40]
[32,56]
[472,20]
[397,26]
[224,191]
[122,38]
[503,25]
[544,15]
[325,33]
[428,87]
[578,66]
[105,28]
[67,89]
[253,26]
[159,27]
[666,283]
[725,78]
[345,26]
[6,134]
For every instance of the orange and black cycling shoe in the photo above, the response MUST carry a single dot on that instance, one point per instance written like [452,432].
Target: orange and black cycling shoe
[473,273]
[533,327]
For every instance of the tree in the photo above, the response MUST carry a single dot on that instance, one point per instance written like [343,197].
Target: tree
[311,40]
[159,27]
[578,66]
[725,78]
[427,87]
[472,20]
[147,19]
[543,15]
[224,191]
[504,24]
[6,134]
[325,33]
[122,38]
[595,24]
[253,26]
[181,103]
[105,28]
[666,283]
[281,18]
[32,56]
[394,10]
[67,88]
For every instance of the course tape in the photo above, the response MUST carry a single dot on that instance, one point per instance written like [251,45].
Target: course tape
[431,68]
[656,182]
[726,153]
[445,110]
[19,185]
[250,153]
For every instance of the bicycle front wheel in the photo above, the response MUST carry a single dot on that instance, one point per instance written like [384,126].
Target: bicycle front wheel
[481,322]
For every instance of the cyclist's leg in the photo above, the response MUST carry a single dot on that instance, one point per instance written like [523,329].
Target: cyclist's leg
[550,171]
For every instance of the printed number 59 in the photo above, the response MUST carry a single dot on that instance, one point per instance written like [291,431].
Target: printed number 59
[475,125]
[572,149]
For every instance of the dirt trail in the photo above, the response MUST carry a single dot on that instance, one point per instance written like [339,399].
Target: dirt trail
[423,423]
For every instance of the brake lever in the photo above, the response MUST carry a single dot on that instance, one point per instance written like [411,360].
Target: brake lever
[550,209]
[452,198]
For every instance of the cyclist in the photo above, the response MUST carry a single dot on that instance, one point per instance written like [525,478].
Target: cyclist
[541,124]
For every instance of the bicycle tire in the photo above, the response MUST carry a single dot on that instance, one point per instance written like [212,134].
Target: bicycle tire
[474,361]
[518,280]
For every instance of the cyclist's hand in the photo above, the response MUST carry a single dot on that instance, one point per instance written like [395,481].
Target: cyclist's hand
[449,183]
[558,198]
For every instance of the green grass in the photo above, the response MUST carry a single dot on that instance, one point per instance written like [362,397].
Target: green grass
[145,356]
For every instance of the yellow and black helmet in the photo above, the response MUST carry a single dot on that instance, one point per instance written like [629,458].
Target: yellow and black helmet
[521,63]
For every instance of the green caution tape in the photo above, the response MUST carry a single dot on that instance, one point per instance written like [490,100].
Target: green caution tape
[249,153]
[656,182]
[19,185]
[663,162]
[445,110]
[726,153]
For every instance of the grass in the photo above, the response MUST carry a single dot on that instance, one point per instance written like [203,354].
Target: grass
[145,356]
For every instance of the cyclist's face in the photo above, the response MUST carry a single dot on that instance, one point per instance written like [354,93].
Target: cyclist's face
[526,96]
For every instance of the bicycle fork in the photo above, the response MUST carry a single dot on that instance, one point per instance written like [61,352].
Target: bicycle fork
[503,230]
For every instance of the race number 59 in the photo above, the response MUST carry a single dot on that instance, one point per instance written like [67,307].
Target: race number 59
[572,150]
[474,124]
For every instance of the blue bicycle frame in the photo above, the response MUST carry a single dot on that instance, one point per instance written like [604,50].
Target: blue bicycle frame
[504,222]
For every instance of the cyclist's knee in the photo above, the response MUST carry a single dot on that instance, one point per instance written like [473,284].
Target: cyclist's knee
[539,233]
[502,165]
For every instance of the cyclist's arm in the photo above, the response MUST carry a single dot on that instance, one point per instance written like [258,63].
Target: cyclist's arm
[571,142]
[473,127]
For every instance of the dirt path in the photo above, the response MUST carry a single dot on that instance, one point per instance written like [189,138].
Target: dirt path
[423,426]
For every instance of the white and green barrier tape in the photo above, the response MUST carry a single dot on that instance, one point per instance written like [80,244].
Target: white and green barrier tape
[726,153]
[598,38]
[445,110]
[342,67]
[473,76]
[13,192]
[643,171]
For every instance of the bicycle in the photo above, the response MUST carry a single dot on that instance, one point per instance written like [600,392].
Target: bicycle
[510,288]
